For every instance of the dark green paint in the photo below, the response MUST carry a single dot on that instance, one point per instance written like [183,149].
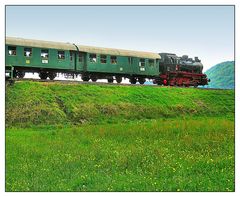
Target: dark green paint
[123,65]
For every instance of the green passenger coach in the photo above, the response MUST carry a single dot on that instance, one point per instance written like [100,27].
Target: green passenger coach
[109,63]
[49,58]
[46,58]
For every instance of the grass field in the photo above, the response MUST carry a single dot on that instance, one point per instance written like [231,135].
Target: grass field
[107,138]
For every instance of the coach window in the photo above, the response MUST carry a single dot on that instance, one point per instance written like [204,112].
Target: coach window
[142,62]
[27,52]
[113,59]
[80,57]
[71,55]
[103,59]
[12,50]
[61,55]
[44,54]
[93,58]
[151,62]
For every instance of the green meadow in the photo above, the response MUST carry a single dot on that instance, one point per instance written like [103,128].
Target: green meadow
[71,137]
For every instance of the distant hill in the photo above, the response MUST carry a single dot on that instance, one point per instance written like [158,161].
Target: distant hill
[221,75]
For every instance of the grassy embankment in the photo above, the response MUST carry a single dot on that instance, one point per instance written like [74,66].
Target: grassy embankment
[108,138]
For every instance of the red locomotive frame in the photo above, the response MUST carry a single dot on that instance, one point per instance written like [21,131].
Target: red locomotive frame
[183,79]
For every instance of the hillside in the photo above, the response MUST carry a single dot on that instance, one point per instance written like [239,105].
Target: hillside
[33,103]
[83,137]
[222,75]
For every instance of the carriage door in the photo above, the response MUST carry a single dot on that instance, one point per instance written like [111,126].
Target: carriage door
[72,60]
[80,61]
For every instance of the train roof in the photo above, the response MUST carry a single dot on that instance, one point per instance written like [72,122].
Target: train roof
[39,43]
[82,48]
[118,52]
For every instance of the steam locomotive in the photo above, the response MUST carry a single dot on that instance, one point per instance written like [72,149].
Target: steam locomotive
[180,71]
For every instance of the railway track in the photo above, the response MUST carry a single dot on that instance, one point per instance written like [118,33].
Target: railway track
[12,81]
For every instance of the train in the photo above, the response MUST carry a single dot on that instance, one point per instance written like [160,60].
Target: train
[48,59]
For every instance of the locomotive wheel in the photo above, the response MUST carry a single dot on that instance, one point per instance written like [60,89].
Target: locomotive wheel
[93,78]
[52,75]
[43,75]
[85,78]
[158,82]
[141,80]
[20,74]
[119,79]
[110,80]
[133,80]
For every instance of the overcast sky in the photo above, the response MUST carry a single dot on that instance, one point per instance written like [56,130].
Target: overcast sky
[203,31]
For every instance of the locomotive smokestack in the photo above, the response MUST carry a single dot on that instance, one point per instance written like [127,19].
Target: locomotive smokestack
[185,57]
[197,60]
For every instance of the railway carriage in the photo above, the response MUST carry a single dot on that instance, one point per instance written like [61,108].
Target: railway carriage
[44,57]
[106,63]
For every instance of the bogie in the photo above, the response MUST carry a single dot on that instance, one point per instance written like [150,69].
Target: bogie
[110,80]
[141,80]
[94,78]
[85,77]
[133,80]
[119,79]
[52,75]
[20,74]
[43,75]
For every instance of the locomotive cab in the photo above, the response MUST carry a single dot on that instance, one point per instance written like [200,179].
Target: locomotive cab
[168,62]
